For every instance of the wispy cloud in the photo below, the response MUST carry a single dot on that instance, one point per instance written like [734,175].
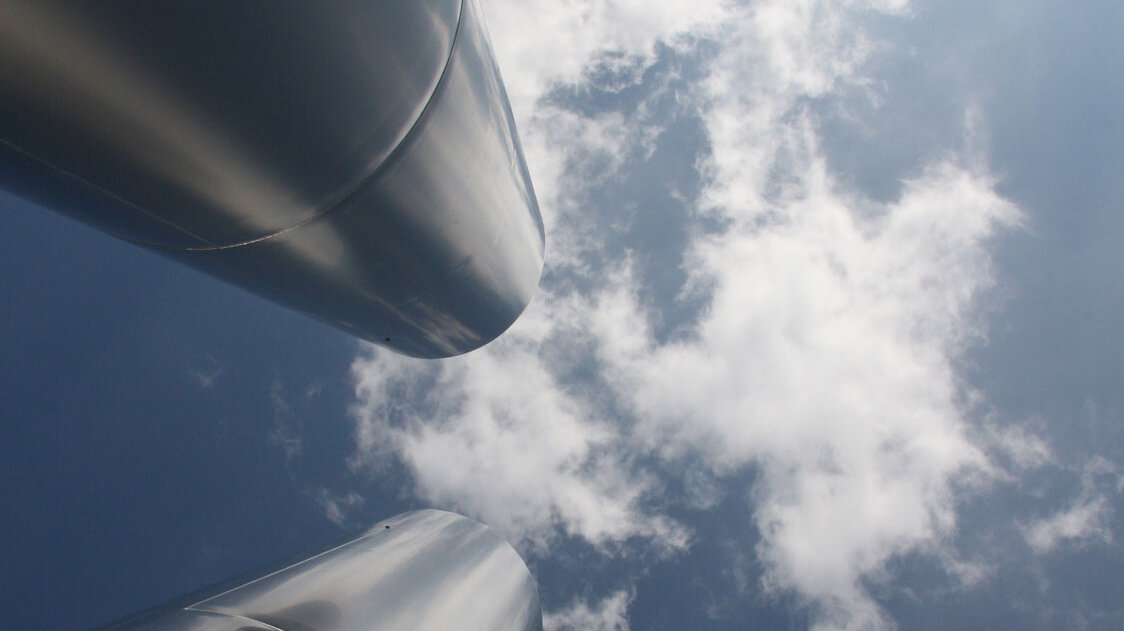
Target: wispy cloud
[207,376]
[609,614]
[285,433]
[1083,522]
[1087,519]
[337,507]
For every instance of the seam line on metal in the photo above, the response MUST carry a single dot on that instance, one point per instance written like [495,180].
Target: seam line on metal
[88,184]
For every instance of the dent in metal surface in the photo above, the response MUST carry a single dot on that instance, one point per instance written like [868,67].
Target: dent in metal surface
[355,161]
[430,570]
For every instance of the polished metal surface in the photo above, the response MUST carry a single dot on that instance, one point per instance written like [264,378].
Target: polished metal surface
[188,620]
[425,570]
[354,160]
[217,123]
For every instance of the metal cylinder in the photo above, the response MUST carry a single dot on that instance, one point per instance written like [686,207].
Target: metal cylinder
[355,161]
[419,571]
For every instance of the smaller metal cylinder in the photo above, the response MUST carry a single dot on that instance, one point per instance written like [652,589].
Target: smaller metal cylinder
[422,571]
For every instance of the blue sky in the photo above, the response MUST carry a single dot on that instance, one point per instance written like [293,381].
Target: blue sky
[828,338]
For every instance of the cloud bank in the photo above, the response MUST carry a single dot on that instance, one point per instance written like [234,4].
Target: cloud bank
[823,352]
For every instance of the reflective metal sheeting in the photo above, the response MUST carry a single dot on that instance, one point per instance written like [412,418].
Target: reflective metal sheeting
[426,570]
[354,160]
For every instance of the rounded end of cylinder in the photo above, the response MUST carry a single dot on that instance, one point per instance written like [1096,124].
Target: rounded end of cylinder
[440,250]
[403,216]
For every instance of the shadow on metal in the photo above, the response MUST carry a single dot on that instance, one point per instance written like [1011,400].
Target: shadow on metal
[424,570]
[355,161]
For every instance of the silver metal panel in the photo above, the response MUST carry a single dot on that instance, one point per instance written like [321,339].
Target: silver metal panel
[187,620]
[425,570]
[437,255]
[355,161]
[209,124]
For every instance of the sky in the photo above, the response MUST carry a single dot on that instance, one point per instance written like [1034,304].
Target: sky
[827,338]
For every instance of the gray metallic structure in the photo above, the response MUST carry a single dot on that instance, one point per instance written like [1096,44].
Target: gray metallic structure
[354,160]
[425,570]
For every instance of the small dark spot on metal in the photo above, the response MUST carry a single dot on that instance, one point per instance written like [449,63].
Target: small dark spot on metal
[386,339]
[387,526]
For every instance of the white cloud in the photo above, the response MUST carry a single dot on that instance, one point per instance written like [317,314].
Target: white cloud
[571,154]
[337,506]
[611,614]
[540,43]
[825,359]
[494,434]
[1083,522]
[1024,449]
[1087,519]
[285,433]
[206,377]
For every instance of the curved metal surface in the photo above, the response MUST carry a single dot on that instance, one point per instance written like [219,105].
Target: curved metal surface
[188,620]
[425,570]
[211,124]
[355,161]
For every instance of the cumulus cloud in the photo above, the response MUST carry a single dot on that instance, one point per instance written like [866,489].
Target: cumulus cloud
[496,435]
[823,359]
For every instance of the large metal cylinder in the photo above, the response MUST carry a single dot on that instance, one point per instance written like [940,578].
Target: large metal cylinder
[353,160]
[422,571]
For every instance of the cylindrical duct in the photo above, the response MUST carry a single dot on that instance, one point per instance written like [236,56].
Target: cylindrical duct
[353,160]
